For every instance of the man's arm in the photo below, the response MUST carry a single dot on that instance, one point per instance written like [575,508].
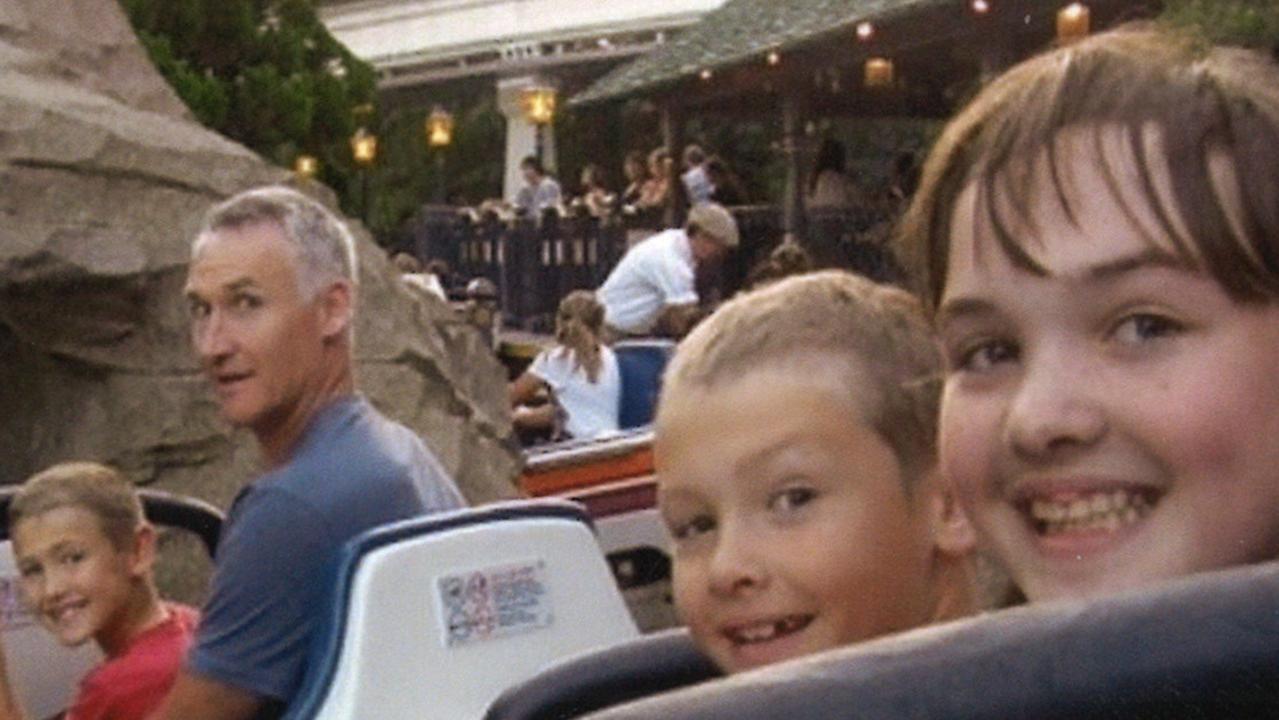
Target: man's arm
[676,321]
[197,698]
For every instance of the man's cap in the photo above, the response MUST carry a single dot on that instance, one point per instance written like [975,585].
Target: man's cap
[713,220]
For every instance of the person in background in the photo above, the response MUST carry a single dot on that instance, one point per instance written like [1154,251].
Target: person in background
[412,276]
[595,198]
[656,194]
[787,259]
[580,372]
[85,555]
[830,186]
[697,186]
[636,170]
[727,189]
[653,287]
[540,192]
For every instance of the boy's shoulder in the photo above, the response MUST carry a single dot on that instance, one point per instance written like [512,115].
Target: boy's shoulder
[133,683]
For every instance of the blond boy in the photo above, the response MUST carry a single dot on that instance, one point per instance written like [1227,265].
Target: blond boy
[796,472]
[85,554]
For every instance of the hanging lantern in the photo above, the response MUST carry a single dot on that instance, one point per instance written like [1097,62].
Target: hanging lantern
[306,166]
[439,128]
[364,147]
[538,104]
[879,72]
[1072,23]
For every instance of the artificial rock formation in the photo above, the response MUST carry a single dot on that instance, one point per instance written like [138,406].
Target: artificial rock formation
[104,177]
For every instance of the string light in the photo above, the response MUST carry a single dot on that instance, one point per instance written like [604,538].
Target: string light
[774,57]
[865,30]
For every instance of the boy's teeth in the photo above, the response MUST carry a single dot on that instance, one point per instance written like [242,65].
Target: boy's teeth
[767,631]
[1096,511]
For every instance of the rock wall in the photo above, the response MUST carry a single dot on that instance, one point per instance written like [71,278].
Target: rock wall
[103,179]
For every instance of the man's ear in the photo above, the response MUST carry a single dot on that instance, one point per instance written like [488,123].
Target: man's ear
[143,551]
[337,303]
[953,534]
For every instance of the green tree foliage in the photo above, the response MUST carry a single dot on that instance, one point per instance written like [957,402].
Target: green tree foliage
[1249,23]
[265,73]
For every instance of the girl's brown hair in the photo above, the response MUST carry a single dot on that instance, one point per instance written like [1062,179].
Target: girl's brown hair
[1180,106]
[577,328]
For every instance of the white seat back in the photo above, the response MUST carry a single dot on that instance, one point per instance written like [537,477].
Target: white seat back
[443,613]
[43,673]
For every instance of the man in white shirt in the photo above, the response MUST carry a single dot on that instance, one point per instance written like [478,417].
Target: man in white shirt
[656,278]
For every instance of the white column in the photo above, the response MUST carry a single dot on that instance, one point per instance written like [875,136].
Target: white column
[521,135]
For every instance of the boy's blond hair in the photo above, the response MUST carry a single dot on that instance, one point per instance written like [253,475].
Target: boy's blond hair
[95,488]
[879,334]
[1205,104]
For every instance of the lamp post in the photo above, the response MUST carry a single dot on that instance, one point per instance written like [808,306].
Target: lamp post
[364,150]
[1072,23]
[306,166]
[538,103]
[439,134]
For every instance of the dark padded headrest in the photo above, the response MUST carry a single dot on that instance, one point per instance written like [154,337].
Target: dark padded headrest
[1202,647]
[647,666]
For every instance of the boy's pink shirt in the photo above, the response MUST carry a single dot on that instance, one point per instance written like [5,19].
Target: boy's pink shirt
[133,684]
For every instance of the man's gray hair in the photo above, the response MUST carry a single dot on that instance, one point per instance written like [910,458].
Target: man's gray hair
[325,248]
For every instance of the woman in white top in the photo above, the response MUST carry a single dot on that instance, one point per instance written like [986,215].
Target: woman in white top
[580,372]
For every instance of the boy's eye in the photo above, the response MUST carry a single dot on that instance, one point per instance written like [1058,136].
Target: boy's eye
[983,356]
[29,571]
[698,525]
[73,557]
[792,498]
[1144,327]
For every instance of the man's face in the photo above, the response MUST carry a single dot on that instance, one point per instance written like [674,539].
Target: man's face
[260,342]
[531,175]
[706,250]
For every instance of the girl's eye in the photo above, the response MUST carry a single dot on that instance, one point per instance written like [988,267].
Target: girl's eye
[792,498]
[699,525]
[72,558]
[985,355]
[1144,327]
[29,571]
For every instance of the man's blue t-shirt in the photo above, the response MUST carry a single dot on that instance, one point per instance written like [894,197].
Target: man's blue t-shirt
[353,470]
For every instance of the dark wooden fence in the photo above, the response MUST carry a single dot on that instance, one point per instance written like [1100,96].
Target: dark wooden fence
[536,261]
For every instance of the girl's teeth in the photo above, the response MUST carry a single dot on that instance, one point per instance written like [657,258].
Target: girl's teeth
[1097,511]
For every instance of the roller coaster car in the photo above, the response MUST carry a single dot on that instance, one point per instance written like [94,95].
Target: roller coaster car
[44,673]
[1200,647]
[613,477]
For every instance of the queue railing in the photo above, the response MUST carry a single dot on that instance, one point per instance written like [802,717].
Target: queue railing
[535,261]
